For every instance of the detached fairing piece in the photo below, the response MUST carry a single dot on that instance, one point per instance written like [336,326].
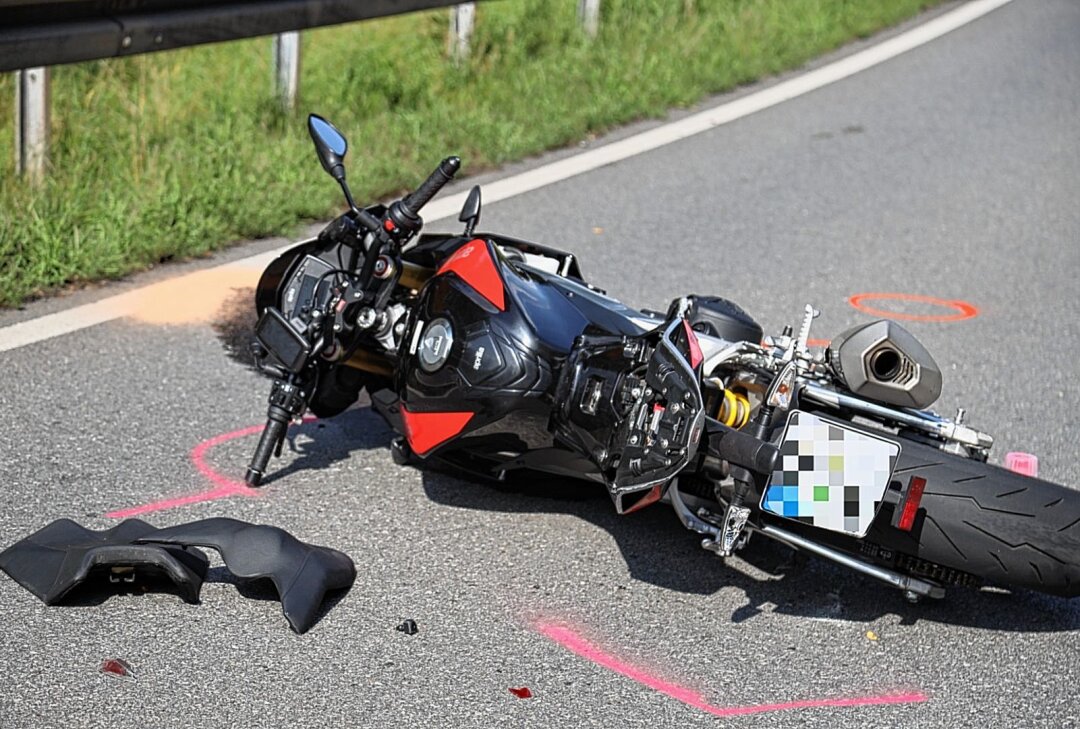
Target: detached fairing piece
[56,559]
[302,573]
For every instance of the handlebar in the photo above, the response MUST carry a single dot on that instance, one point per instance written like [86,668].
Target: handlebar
[435,181]
[271,438]
[402,216]
[405,213]
[366,219]
[288,397]
[287,401]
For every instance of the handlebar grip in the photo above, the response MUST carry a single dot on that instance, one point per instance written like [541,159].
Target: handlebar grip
[442,175]
[272,435]
[741,448]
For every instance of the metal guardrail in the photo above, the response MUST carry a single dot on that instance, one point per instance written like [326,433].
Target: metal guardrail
[37,34]
[50,32]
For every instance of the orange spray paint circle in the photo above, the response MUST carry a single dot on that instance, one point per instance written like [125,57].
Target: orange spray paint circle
[960,309]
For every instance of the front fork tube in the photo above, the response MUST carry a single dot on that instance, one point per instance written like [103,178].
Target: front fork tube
[288,399]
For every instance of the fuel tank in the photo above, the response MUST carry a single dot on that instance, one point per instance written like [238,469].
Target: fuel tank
[487,340]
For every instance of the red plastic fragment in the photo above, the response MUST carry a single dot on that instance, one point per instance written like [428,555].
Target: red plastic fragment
[1026,464]
[522,692]
[117,667]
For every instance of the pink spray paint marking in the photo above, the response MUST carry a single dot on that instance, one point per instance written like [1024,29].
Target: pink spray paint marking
[573,642]
[224,487]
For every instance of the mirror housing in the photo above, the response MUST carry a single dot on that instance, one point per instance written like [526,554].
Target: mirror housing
[470,211]
[330,144]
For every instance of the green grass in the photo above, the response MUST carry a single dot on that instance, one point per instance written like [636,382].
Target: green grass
[175,154]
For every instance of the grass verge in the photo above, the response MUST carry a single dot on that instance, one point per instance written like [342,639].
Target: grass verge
[175,154]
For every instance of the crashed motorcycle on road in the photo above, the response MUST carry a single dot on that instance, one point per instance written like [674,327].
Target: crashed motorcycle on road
[496,357]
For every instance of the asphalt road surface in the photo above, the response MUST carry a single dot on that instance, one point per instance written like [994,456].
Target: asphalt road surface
[951,171]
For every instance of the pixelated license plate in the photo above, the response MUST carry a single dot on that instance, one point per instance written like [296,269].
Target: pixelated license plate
[830,475]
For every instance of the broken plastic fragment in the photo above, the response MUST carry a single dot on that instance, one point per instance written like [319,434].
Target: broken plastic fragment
[117,667]
[871,635]
[522,692]
[1026,464]
[409,627]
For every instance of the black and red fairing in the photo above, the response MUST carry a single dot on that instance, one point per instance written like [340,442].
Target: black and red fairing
[506,330]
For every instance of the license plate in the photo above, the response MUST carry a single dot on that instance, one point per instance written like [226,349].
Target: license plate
[830,475]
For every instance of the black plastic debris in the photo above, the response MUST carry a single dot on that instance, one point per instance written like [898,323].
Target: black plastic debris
[54,560]
[302,573]
[409,627]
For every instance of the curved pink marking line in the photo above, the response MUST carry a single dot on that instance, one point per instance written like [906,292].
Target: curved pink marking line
[225,486]
[573,642]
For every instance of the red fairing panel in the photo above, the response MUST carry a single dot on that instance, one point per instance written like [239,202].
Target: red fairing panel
[427,431]
[695,348]
[650,498]
[474,264]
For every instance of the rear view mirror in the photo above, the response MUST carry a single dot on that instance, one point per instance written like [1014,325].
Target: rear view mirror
[330,145]
[470,211]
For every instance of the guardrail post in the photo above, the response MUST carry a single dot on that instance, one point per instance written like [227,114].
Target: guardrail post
[32,122]
[287,68]
[589,14]
[461,29]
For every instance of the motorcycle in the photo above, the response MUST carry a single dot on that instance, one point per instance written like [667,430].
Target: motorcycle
[494,356]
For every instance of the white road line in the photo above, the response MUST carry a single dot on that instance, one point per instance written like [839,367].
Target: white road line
[81,317]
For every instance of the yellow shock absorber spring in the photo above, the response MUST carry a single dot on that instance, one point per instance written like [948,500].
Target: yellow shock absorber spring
[734,409]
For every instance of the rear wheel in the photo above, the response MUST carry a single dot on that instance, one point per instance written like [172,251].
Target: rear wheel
[984,521]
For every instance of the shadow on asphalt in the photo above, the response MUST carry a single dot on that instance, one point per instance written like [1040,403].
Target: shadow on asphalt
[659,551]
[234,326]
[321,443]
[263,589]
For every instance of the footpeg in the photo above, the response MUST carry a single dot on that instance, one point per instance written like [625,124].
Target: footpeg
[734,522]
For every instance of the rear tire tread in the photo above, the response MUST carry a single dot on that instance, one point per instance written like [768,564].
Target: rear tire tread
[989,522]
[1014,547]
[945,534]
[1070,525]
[907,469]
[972,499]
